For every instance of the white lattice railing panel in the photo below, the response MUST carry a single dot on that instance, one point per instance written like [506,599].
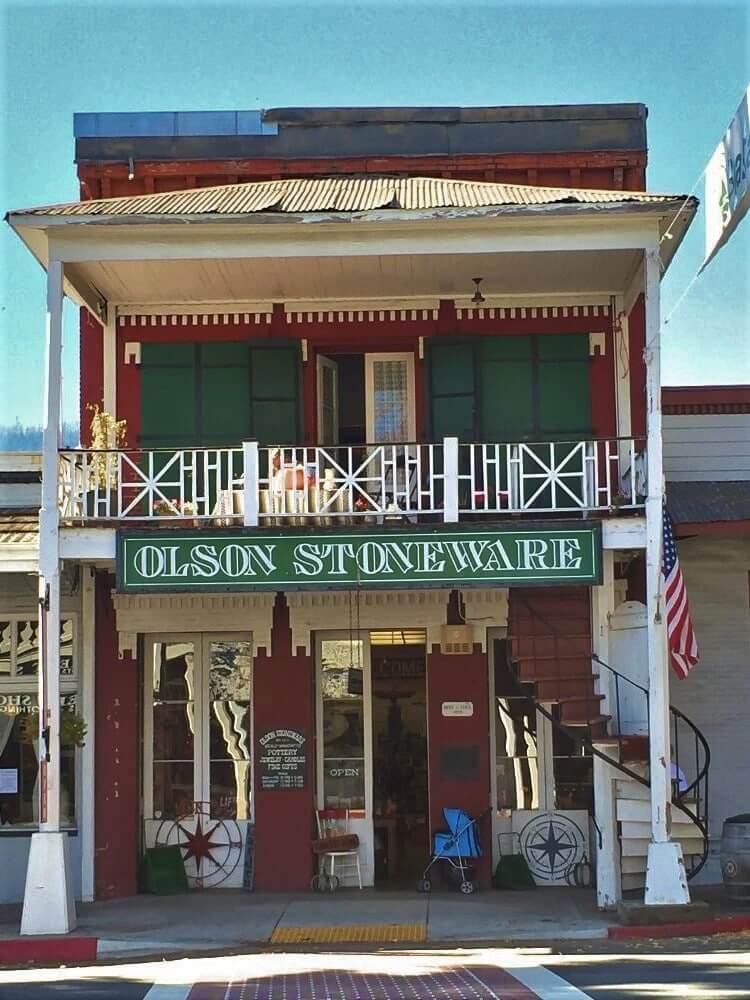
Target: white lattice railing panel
[360,482]
[150,485]
[552,476]
[346,484]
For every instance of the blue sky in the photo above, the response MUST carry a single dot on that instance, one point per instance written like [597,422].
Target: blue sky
[688,62]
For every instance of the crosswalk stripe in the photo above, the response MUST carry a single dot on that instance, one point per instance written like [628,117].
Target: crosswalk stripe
[548,985]
[164,991]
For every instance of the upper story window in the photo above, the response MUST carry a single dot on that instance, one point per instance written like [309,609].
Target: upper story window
[511,388]
[219,393]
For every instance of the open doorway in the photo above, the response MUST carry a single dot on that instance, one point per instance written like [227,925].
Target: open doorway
[365,398]
[399,749]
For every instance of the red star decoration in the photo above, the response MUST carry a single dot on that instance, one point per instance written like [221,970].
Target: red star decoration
[199,845]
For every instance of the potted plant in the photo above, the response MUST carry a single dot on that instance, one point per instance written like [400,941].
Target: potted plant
[73,729]
[365,506]
[107,435]
[618,501]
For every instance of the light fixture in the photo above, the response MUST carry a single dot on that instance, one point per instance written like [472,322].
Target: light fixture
[477,298]
[131,168]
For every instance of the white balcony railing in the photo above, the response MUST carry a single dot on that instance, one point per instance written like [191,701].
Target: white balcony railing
[347,484]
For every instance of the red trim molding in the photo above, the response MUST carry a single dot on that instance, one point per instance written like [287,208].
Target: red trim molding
[706,399]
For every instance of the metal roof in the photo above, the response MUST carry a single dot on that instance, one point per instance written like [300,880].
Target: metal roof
[19,527]
[346,194]
[708,502]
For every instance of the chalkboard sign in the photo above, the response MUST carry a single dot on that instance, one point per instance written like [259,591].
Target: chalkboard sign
[282,759]
[459,762]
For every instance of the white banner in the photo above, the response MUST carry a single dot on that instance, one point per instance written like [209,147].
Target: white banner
[727,196]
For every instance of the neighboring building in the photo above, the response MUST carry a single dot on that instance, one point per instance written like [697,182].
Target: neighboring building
[20,497]
[707,466]
[390,424]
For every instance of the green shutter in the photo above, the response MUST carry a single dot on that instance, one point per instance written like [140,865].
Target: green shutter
[169,416]
[274,394]
[452,390]
[506,380]
[564,386]
[224,393]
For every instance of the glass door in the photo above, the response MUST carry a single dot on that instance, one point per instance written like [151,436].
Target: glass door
[390,412]
[198,749]
[344,726]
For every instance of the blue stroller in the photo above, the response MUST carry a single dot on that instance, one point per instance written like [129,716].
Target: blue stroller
[454,845]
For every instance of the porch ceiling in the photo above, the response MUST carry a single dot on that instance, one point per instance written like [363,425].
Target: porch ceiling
[401,277]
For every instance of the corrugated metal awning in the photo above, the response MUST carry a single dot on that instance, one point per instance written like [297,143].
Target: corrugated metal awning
[19,527]
[708,502]
[347,194]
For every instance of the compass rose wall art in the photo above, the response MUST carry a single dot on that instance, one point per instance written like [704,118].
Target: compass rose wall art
[552,843]
[211,848]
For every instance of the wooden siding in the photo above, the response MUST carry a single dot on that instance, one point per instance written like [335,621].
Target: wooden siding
[715,695]
[707,446]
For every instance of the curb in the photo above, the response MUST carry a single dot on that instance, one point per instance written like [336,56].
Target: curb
[61,950]
[697,928]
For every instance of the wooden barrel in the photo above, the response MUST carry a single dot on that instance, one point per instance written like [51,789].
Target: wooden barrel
[735,856]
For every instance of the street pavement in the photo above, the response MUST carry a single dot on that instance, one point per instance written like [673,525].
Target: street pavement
[718,968]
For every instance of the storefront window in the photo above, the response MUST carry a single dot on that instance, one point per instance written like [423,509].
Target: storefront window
[6,629]
[19,764]
[341,678]
[201,717]
[174,728]
[230,670]
[19,647]
[19,721]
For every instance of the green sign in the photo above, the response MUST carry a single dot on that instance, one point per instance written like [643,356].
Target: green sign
[259,560]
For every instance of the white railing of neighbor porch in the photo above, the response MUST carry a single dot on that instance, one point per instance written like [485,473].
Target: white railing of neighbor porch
[349,484]
[148,485]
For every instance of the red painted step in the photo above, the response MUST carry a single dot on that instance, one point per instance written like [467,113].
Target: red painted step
[550,635]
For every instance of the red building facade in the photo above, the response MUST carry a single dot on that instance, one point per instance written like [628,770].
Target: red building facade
[376,393]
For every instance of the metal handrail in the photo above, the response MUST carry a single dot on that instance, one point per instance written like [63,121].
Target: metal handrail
[699,784]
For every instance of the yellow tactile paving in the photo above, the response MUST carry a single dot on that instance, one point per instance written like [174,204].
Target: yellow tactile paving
[356,933]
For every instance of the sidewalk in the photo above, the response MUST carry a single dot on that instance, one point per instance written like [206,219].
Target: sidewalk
[230,920]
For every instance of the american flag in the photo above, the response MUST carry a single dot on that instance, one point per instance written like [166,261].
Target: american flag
[683,648]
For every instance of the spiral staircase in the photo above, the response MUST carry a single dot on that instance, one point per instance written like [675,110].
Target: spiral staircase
[551,652]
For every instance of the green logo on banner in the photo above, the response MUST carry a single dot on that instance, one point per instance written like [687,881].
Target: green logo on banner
[148,561]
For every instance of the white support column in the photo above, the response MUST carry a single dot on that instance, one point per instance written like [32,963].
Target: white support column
[88,687]
[621,338]
[602,606]
[608,865]
[48,906]
[251,486]
[666,881]
[450,480]
[109,354]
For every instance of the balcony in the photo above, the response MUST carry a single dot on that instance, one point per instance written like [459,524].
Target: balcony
[338,486]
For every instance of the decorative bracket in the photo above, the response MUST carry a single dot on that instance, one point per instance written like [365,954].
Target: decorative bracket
[597,343]
[132,352]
